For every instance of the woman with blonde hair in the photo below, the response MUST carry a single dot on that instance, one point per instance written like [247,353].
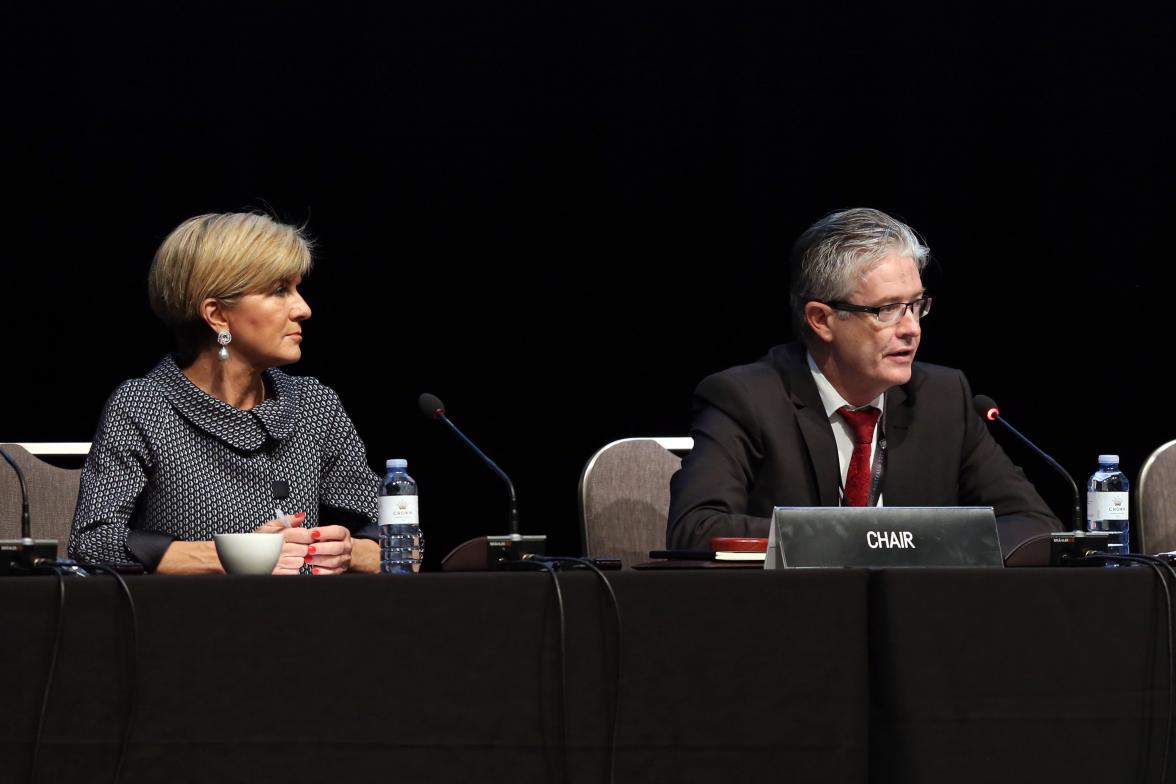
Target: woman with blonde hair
[215,437]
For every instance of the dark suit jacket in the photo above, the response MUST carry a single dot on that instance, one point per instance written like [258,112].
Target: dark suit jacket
[762,439]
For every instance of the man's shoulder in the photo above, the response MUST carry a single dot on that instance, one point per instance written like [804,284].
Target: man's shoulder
[765,375]
[926,374]
[937,388]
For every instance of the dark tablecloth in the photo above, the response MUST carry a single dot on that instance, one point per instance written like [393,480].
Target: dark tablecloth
[727,676]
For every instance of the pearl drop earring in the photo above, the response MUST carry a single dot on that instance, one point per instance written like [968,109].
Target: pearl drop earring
[224,337]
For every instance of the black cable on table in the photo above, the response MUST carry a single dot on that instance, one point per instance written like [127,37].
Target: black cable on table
[1159,566]
[562,708]
[1030,540]
[133,688]
[52,671]
[615,712]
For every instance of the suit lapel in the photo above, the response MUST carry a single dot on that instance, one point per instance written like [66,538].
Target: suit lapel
[813,424]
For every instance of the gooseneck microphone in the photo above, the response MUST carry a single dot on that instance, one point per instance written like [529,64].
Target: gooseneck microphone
[432,407]
[26,527]
[26,553]
[988,409]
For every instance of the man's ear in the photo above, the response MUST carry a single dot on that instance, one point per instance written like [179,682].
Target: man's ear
[818,316]
[213,313]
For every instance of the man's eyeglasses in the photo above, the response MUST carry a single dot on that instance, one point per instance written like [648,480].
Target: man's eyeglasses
[887,314]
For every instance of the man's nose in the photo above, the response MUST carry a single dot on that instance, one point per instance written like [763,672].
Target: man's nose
[909,325]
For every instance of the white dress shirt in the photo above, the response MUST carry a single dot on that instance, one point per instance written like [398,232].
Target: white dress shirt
[832,400]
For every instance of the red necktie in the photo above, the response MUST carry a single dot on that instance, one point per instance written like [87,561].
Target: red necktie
[857,479]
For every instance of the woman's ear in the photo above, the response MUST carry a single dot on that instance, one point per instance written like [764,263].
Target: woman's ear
[213,313]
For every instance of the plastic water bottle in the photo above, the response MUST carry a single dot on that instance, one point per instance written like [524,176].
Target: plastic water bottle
[401,544]
[1106,503]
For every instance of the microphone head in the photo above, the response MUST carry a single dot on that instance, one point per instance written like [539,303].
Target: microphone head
[431,406]
[986,407]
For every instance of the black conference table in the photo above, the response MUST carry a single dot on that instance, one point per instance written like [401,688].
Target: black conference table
[830,675]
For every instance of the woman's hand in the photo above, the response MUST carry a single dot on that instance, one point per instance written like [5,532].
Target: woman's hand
[327,548]
[330,549]
[365,556]
[190,558]
[296,542]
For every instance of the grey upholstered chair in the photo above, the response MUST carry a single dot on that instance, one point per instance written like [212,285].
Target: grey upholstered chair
[53,492]
[625,497]
[1155,494]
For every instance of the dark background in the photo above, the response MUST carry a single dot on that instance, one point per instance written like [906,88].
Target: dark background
[560,217]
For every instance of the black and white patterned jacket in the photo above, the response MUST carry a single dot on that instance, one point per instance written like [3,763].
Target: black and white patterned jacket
[172,462]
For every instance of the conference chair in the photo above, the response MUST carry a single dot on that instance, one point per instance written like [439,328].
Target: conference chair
[53,491]
[1155,494]
[625,497]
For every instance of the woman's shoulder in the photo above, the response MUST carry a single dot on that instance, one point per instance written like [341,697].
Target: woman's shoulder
[309,390]
[136,405]
[136,394]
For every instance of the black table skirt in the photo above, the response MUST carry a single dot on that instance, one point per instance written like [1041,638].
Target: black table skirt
[446,677]
[1027,675]
[811,676]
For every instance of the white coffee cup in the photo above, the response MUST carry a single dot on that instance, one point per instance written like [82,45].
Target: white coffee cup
[248,553]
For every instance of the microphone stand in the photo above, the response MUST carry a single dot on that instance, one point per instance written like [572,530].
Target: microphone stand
[1078,518]
[1066,548]
[26,554]
[486,553]
[514,504]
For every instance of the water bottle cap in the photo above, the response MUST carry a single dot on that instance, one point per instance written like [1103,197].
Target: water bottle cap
[399,462]
[1108,459]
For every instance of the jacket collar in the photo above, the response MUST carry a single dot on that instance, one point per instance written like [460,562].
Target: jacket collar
[791,362]
[268,422]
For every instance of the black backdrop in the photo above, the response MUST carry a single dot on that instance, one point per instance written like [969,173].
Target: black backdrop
[559,217]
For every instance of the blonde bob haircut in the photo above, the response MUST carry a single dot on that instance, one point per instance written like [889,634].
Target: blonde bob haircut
[221,256]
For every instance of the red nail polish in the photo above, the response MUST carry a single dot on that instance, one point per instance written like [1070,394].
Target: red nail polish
[314,570]
[307,558]
[315,534]
[300,515]
[310,549]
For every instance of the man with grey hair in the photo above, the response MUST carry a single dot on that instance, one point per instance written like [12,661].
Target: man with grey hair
[845,415]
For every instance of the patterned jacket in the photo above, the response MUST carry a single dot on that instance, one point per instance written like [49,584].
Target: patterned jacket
[172,462]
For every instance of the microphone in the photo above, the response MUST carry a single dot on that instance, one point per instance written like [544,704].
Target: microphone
[1066,545]
[26,528]
[26,552]
[988,409]
[497,549]
[432,407]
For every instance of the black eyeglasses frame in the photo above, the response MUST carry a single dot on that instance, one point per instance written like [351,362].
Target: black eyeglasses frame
[876,312]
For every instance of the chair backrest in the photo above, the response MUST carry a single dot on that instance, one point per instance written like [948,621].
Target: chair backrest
[60,448]
[53,493]
[1155,494]
[625,497]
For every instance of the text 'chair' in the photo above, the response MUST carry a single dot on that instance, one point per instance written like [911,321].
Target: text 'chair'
[1156,501]
[625,497]
[53,492]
